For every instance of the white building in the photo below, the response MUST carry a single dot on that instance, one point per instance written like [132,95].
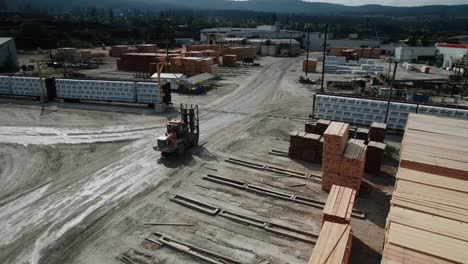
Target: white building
[214,35]
[8,55]
[452,51]
[276,47]
[415,54]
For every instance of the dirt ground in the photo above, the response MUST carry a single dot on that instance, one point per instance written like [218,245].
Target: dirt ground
[80,180]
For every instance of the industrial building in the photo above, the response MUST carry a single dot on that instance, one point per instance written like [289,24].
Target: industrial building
[276,47]
[316,43]
[452,51]
[8,55]
[415,54]
[214,35]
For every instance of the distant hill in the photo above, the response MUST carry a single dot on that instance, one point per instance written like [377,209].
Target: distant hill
[278,6]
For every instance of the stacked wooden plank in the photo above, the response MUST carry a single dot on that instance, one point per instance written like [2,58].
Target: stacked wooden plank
[305,146]
[335,140]
[242,52]
[147,48]
[309,65]
[363,134]
[374,156]
[191,66]
[322,125]
[353,164]
[377,132]
[229,60]
[339,205]
[428,219]
[202,47]
[138,62]
[311,127]
[333,245]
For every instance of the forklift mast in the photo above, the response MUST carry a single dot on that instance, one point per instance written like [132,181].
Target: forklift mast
[189,116]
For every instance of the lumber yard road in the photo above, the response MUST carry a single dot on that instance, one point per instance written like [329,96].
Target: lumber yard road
[67,175]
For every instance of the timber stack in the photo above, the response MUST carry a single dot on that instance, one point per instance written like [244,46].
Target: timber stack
[428,218]
[374,156]
[339,205]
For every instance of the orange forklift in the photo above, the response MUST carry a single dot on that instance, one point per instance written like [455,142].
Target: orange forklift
[181,134]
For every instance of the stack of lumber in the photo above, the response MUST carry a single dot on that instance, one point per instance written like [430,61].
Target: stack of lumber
[362,134]
[311,127]
[377,132]
[305,146]
[138,62]
[309,65]
[436,145]
[322,125]
[202,47]
[117,51]
[335,140]
[374,156]
[428,218]
[212,54]
[353,164]
[193,54]
[147,48]
[339,205]
[333,245]
[242,52]
[229,60]
[191,66]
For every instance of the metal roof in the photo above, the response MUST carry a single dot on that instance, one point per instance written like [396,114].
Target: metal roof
[4,40]
[168,76]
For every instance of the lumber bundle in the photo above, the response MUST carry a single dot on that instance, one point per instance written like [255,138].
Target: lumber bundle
[202,47]
[428,218]
[333,245]
[242,52]
[362,134]
[191,66]
[353,164]
[229,60]
[377,132]
[374,156]
[311,127]
[147,48]
[305,146]
[117,51]
[339,205]
[309,65]
[139,62]
[436,145]
[322,125]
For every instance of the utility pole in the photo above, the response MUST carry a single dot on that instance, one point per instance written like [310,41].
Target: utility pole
[324,55]
[391,90]
[307,55]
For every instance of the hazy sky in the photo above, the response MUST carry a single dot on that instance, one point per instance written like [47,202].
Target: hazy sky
[395,2]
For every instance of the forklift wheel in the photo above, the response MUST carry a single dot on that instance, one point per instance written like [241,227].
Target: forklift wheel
[165,154]
[181,149]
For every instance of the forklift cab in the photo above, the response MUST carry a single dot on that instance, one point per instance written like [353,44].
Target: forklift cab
[177,127]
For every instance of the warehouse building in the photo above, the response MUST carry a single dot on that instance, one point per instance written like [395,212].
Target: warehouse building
[8,55]
[452,51]
[415,54]
[215,35]
[276,47]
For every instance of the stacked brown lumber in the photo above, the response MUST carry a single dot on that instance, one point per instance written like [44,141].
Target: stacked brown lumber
[339,205]
[333,245]
[147,48]
[201,47]
[309,65]
[322,125]
[117,51]
[362,134]
[311,127]
[305,146]
[335,140]
[191,66]
[377,132]
[229,60]
[374,156]
[353,165]
[352,131]
[139,62]
[242,52]
[428,218]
